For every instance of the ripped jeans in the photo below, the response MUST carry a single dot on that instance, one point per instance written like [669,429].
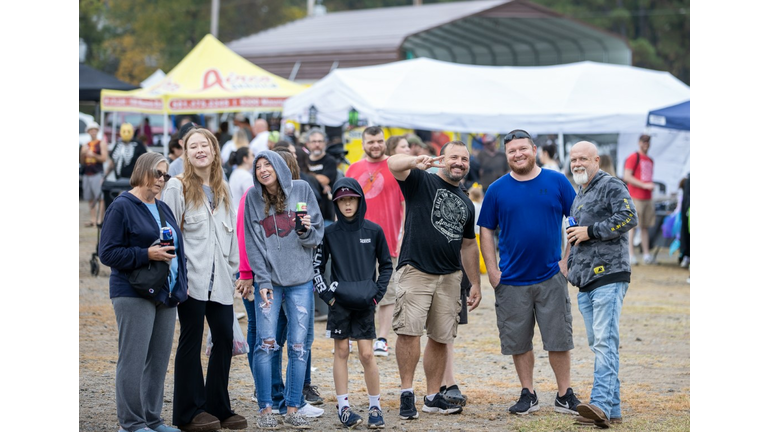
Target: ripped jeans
[298,304]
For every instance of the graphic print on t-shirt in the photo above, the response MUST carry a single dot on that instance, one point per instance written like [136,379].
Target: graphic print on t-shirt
[123,156]
[449,214]
[372,183]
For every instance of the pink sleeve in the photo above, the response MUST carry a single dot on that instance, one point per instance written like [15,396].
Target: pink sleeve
[245,266]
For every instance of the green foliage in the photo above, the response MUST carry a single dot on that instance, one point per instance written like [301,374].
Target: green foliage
[657,31]
[132,38]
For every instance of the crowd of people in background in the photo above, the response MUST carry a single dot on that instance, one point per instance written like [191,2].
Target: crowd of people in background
[390,244]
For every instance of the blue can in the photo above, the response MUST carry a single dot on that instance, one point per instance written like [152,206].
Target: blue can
[572,221]
[166,238]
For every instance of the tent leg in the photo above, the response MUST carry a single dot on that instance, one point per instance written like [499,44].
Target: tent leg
[165,134]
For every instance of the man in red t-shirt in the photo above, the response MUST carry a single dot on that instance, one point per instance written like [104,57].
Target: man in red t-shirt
[638,175]
[386,207]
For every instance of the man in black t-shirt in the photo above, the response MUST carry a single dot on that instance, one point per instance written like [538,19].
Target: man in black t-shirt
[324,168]
[438,237]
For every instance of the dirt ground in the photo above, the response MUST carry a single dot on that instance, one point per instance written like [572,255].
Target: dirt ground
[655,362]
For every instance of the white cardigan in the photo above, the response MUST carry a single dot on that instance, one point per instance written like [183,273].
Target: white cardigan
[209,237]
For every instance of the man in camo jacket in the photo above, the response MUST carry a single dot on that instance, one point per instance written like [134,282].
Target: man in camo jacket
[598,265]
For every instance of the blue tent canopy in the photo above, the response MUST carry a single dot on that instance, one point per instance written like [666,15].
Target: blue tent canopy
[672,117]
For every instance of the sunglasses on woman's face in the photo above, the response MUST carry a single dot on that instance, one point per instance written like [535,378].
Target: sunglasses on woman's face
[164,175]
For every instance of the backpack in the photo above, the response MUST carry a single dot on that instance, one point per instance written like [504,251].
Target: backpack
[637,164]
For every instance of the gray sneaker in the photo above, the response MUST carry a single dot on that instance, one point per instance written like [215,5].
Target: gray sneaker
[266,421]
[311,395]
[296,421]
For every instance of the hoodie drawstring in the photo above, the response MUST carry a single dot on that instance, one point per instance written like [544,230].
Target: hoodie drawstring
[278,236]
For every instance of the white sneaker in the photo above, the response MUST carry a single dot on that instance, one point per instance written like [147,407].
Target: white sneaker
[311,411]
[685,262]
[648,259]
[633,260]
[380,348]
[240,315]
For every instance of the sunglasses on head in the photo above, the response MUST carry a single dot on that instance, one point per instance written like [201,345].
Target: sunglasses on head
[164,175]
[516,134]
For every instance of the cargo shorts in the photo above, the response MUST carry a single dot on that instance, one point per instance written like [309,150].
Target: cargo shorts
[427,301]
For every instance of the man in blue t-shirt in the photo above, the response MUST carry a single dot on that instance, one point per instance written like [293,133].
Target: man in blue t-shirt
[528,206]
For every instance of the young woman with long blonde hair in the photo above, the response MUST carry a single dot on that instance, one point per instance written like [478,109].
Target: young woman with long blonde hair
[201,201]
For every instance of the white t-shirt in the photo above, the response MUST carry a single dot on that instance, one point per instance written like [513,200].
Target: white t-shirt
[226,151]
[239,182]
[260,143]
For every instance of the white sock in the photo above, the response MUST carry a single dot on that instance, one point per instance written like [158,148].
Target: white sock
[373,401]
[343,401]
[430,397]
[406,390]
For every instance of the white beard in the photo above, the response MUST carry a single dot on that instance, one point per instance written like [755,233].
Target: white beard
[581,177]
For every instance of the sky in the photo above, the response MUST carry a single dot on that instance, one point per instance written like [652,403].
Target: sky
[728,292]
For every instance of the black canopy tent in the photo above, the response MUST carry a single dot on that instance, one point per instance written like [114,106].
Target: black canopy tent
[92,81]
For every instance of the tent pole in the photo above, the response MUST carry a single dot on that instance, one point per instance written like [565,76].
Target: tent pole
[165,134]
[101,122]
[561,148]
[114,129]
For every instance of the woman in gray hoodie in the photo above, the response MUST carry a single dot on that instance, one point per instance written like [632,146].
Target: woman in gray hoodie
[280,252]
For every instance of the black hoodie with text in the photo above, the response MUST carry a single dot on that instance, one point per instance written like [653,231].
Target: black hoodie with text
[354,246]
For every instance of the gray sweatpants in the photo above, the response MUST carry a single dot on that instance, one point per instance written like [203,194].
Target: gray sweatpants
[145,336]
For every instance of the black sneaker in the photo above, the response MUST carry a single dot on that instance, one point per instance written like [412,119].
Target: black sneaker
[527,403]
[567,403]
[438,404]
[349,418]
[311,395]
[408,409]
[453,395]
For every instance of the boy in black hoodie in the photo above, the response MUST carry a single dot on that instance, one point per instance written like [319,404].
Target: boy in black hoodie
[356,246]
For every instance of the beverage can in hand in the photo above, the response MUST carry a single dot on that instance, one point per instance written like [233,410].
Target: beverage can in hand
[301,211]
[572,223]
[166,238]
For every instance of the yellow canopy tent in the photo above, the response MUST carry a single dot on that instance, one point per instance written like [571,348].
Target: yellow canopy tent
[210,79]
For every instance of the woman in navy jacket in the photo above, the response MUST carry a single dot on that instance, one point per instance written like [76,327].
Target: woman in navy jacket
[145,326]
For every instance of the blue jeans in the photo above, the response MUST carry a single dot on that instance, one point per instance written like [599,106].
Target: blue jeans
[278,387]
[601,309]
[298,332]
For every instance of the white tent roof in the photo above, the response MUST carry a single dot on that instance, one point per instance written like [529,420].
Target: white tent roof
[153,79]
[584,97]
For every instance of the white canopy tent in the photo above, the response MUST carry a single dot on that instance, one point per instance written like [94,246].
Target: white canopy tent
[576,98]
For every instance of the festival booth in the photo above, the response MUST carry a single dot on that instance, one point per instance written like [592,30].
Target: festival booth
[577,98]
[670,131]
[93,81]
[210,79]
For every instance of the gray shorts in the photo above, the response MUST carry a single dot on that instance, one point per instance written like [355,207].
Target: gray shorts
[91,186]
[518,308]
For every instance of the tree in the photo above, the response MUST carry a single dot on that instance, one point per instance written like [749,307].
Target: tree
[132,38]
[657,31]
